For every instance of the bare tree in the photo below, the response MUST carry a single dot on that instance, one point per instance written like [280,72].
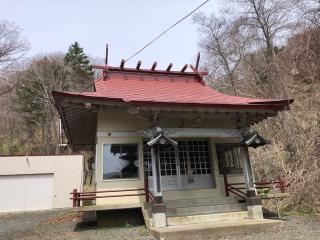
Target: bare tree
[12,48]
[269,20]
[223,47]
[12,45]
[269,23]
[311,11]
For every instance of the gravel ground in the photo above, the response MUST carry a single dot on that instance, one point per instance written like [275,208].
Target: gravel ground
[58,225]
[292,228]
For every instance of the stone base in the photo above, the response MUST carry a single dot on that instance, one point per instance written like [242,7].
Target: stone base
[159,220]
[255,212]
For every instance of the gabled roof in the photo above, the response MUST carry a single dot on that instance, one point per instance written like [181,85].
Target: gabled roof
[147,87]
[151,89]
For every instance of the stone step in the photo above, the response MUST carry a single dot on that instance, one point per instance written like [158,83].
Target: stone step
[214,229]
[197,210]
[200,202]
[207,218]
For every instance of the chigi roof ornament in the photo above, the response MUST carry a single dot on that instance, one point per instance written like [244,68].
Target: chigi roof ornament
[252,138]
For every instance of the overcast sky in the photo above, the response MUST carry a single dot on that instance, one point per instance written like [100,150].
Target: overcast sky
[51,26]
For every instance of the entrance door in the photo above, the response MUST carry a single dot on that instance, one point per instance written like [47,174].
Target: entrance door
[192,171]
[169,168]
[195,164]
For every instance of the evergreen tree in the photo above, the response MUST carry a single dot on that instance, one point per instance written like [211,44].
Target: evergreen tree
[78,60]
[34,99]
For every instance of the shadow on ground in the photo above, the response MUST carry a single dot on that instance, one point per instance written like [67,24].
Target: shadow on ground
[110,219]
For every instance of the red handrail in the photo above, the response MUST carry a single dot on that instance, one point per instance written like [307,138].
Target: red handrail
[237,191]
[236,188]
[150,195]
[80,196]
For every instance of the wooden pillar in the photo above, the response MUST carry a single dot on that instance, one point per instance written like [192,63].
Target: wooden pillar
[225,177]
[156,180]
[253,201]
[146,187]
[247,171]
[176,152]
[226,187]
[158,207]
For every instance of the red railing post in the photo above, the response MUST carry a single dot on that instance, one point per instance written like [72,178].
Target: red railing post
[78,198]
[282,185]
[74,198]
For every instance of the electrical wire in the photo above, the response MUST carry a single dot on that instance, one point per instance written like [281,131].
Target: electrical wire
[140,50]
[165,31]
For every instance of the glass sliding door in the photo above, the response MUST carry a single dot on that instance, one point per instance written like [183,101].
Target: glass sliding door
[191,170]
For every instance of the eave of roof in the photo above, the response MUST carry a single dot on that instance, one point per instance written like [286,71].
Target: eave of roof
[271,105]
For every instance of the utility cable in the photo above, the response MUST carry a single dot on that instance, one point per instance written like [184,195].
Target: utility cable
[165,31]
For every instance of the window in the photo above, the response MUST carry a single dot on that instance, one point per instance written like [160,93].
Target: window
[196,150]
[120,161]
[229,157]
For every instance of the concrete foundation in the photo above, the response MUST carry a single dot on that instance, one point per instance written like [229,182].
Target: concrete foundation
[255,212]
[119,218]
[159,220]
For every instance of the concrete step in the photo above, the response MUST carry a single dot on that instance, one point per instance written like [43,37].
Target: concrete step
[200,202]
[197,210]
[207,218]
[216,229]
[146,213]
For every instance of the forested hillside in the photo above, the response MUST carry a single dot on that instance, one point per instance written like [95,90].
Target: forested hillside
[255,48]
[272,49]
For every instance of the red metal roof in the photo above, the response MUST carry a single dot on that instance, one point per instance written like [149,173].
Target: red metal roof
[168,89]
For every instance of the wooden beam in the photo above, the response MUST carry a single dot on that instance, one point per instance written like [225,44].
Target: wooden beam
[138,65]
[122,63]
[106,57]
[196,71]
[141,70]
[169,67]
[153,66]
[198,60]
[184,68]
[105,70]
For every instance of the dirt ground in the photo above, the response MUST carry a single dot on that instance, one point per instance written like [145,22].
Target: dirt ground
[56,225]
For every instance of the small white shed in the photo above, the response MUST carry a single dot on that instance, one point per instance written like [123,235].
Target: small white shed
[39,182]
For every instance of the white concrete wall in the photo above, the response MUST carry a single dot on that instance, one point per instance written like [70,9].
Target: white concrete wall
[67,173]
[119,120]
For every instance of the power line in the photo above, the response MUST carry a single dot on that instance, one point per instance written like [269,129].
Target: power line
[165,31]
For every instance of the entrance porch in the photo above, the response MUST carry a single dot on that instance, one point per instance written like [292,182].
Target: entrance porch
[184,181]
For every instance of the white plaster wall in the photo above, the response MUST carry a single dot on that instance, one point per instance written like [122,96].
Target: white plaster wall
[67,173]
[118,120]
